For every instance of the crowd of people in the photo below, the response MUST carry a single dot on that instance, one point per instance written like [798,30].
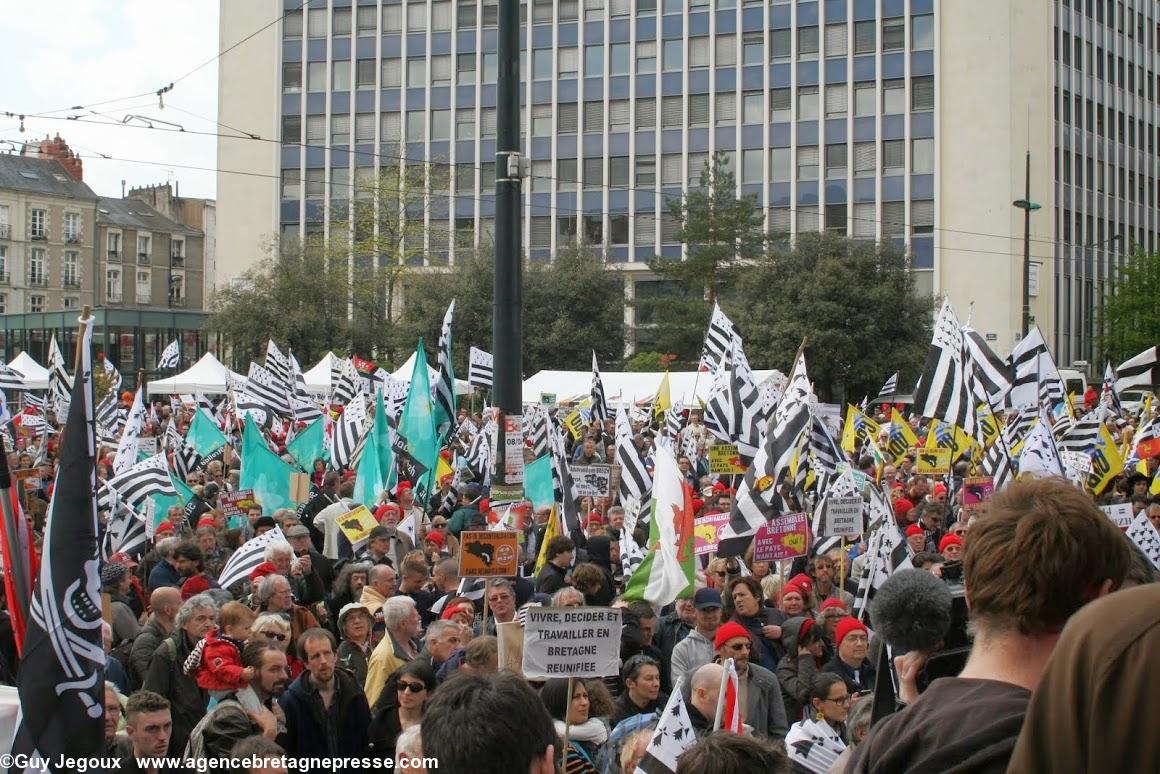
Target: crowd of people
[385,652]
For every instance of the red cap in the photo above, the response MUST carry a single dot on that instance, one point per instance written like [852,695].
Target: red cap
[436,537]
[806,626]
[205,521]
[165,526]
[123,558]
[902,506]
[593,518]
[194,585]
[914,529]
[831,602]
[792,588]
[386,508]
[804,582]
[262,570]
[719,486]
[728,631]
[456,607]
[949,540]
[939,489]
[847,625]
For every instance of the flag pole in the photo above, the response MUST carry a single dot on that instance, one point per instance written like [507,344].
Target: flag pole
[842,569]
[717,718]
[567,711]
[15,563]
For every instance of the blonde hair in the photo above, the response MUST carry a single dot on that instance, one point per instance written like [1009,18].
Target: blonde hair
[235,613]
[771,586]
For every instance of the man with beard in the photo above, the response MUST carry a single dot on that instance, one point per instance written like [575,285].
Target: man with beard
[166,675]
[327,715]
[228,723]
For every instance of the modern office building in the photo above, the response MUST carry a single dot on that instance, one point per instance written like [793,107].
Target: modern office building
[901,120]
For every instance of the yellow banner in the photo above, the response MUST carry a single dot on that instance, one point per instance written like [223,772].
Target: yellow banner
[723,458]
[575,424]
[1106,462]
[858,426]
[902,437]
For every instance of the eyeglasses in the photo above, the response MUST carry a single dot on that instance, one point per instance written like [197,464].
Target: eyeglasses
[276,636]
[741,646]
[413,687]
[841,699]
[720,573]
[857,638]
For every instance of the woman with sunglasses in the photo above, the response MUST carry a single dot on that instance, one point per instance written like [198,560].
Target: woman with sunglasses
[814,744]
[274,628]
[642,688]
[586,735]
[400,706]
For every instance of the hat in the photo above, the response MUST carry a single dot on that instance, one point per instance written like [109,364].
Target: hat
[262,570]
[792,588]
[847,625]
[831,602]
[165,526]
[728,631]
[719,486]
[439,521]
[939,489]
[593,519]
[265,521]
[350,607]
[460,605]
[472,491]
[902,506]
[193,586]
[706,598]
[112,573]
[804,582]
[211,489]
[949,540]
[206,521]
[298,530]
[914,529]
[805,627]
[378,533]
[123,558]
[436,538]
[386,508]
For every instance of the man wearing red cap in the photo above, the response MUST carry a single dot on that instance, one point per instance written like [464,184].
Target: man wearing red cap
[902,509]
[852,641]
[763,708]
[916,537]
[951,547]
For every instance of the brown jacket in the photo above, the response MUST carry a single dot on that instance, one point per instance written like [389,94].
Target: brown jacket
[1091,708]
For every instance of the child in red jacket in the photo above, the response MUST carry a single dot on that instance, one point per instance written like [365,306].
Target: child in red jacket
[216,660]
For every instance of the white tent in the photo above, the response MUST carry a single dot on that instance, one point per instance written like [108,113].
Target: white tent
[403,374]
[35,375]
[318,378]
[207,375]
[625,386]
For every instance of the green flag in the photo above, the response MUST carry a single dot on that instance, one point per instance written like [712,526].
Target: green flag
[162,503]
[668,568]
[264,471]
[417,424]
[204,436]
[369,480]
[538,481]
[307,445]
[381,430]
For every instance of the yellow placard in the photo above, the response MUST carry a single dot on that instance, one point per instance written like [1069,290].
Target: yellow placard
[357,524]
[724,458]
[933,462]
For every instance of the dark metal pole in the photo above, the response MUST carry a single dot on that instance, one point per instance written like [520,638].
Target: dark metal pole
[1027,251]
[507,326]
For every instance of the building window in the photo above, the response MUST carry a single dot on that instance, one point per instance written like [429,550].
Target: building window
[317,23]
[144,291]
[646,228]
[390,128]
[465,65]
[726,108]
[177,252]
[36,303]
[779,165]
[367,20]
[364,127]
[594,229]
[3,303]
[672,54]
[71,302]
[619,116]
[922,93]
[340,130]
[698,110]
[865,97]
[593,117]
[646,57]
[416,71]
[672,172]
[3,263]
[780,105]
[341,21]
[567,62]
[751,166]
[836,218]
[113,286]
[367,71]
[865,37]
[292,76]
[646,172]
[836,40]
[893,34]
[726,49]
[36,274]
[316,76]
[893,97]
[671,115]
[593,173]
[922,32]
[807,103]
[618,229]
[780,44]
[752,48]
[807,162]
[541,64]
[922,216]
[753,107]
[72,227]
[465,13]
[114,246]
[292,24]
[646,112]
[340,76]
[865,159]
[393,72]
[593,61]
[865,225]
[177,290]
[566,229]
[893,157]
[836,100]
[619,59]
[144,245]
[416,125]
[567,118]
[836,160]
[38,224]
[807,43]
[922,160]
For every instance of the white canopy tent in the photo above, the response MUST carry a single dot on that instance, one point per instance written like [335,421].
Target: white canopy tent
[35,375]
[626,386]
[403,374]
[207,375]
[318,377]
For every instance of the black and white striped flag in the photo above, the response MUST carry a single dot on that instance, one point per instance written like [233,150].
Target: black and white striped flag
[717,415]
[563,486]
[113,375]
[1084,433]
[34,401]
[718,339]
[635,479]
[243,561]
[109,418]
[1110,397]
[1138,371]
[599,403]
[170,357]
[991,375]
[826,451]
[267,388]
[11,379]
[148,477]
[1039,455]
[347,432]
[444,407]
[536,430]
[890,387]
[1033,372]
[277,363]
[674,420]
[185,457]
[349,384]
[479,453]
[125,534]
[479,368]
[130,436]
[942,391]
[748,420]
[58,381]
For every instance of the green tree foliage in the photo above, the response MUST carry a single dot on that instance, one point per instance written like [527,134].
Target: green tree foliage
[721,233]
[854,302]
[1130,322]
[572,305]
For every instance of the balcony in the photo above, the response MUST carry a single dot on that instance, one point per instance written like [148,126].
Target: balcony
[38,235]
[115,256]
[71,282]
[177,259]
[37,280]
[72,239]
[113,298]
[4,278]
[142,259]
[5,231]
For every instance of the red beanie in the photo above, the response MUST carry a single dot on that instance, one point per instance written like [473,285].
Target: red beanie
[803,582]
[436,537]
[914,529]
[806,626]
[452,609]
[939,489]
[194,585]
[262,570]
[847,625]
[902,506]
[792,588]
[165,526]
[206,521]
[831,602]
[728,631]
[949,540]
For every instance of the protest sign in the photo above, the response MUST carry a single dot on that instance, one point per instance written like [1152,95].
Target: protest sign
[842,516]
[513,444]
[976,492]
[1120,513]
[571,642]
[547,398]
[299,487]
[592,480]
[1077,461]
[510,639]
[933,461]
[705,533]
[488,554]
[782,538]
[357,525]
[234,505]
[723,458]
[147,445]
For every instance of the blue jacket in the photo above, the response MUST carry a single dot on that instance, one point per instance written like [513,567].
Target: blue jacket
[164,574]
[313,731]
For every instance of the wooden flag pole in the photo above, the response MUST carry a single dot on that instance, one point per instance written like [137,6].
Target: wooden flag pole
[85,312]
[567,712]
[841,580]
[486,592]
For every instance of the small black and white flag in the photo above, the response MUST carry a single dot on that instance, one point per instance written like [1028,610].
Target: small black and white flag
[347,431]
[1138,371]
[674,734]
[942,391]
[148,477]
[243,561]
[266,387]
[11,379]
[277,363]
[718,339]
[444,405]
[635,480]
[170,357]
[890,387]
[131,435]
[1144,535]
[480,368]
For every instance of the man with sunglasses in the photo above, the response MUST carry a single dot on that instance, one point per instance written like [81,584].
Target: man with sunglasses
[760,690]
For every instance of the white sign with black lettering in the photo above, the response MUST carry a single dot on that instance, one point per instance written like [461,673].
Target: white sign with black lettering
[1120,513]
[1077,461]
[147,444]
[571,642]
[592,480]
[843,516]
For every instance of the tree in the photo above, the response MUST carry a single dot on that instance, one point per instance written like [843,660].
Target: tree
[853,301]
[721,233]
[572,306]
[1130,322]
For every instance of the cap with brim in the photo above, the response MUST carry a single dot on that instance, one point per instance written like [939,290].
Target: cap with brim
[349,608]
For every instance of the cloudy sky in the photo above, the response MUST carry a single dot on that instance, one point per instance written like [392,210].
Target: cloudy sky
[63,53]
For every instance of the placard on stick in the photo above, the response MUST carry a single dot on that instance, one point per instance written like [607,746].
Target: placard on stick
[933,461]
[977,491]
[357,525]
[782,538]
[1120,513]
[488,554]
[724,458]
[842,516]
[705,529]
[594,480]
[571,642]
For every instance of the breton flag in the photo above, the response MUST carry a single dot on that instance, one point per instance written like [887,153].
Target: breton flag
[445,386]
[1084,434]
[631,554]
[347,432]
[748,419]
[942,391]
[813,745]
[674,421]
[11,379]
[991,374]
[125,534]
[890,387]
[717,415]
[1111,398]
[277,363]
[674,735]
[1039,455]
[130,436]
[170,357]
[148,477]
[114,376]
[185,457]
[108,418]
[58,382]
[667,570]
[563,487]
[635,481]
[1138,371]
[717,339]
[349,384]
[1030,363]
[826,451]
[479,368]
[243,561]
[61,678]
[479,453]
[537,432]
[265,386]
[887,552]
[599,404]
[1144,535]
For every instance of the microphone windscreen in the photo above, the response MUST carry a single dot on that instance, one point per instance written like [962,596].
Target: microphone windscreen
[912,610]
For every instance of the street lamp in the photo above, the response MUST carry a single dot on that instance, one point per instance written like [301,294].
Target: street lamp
[1028,207]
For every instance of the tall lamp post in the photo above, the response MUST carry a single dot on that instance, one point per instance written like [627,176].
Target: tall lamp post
[1098,288]
[1028,207]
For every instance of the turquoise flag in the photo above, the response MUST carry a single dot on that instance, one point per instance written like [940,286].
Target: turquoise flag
[381,432]
[264,471]
[538,481]
[162,503]
[369,480]
[417,424]
[306,447]
[204,435]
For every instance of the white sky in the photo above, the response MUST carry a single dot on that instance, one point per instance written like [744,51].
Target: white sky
[61,53]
